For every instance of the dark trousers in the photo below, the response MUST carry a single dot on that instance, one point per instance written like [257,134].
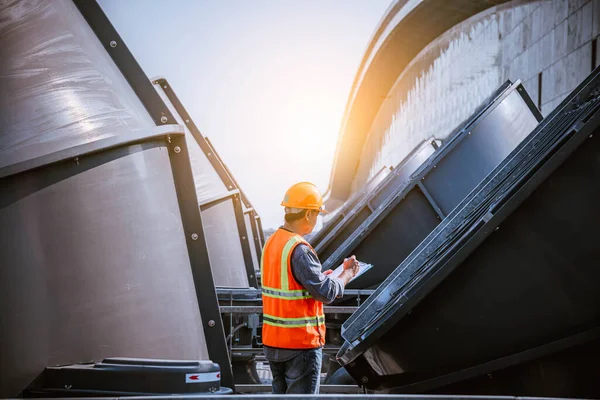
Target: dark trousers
[299,375]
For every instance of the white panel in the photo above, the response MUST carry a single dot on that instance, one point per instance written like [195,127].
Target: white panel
[224,246]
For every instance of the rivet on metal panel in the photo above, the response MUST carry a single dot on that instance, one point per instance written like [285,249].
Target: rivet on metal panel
[251,276]
[113,44]
[469,133]
[211,323]
[423,178]
[435,166]
[209,154]
[230,187]
[591,136]
[187,121]
[497,228]
[164,87]
[177,149]
[194,236]
[364,379]
[243,237]
[163,119]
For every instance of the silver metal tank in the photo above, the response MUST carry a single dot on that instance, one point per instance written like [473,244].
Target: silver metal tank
[93,258]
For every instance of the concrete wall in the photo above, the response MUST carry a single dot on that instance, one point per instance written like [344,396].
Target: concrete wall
[547,41]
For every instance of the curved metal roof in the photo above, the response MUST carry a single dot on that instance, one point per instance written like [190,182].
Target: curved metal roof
[407,27]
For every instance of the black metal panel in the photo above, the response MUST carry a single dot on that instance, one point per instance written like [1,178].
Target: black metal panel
[384,253]
[182,173]
[472,294]
[571,372]
[407,224]
[487,144]
[344,230]
[326,229]
[358,210]
[349,205]
[401,174]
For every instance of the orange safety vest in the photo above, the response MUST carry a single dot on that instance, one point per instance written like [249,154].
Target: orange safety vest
[292,319]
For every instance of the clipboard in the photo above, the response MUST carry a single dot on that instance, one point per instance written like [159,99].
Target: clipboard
[362,268]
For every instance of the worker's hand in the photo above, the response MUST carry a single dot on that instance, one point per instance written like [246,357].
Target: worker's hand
[328,272]
[351,265]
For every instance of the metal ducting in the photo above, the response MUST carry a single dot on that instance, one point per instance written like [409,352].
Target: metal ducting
[502,297]
[409,208]
[102,252]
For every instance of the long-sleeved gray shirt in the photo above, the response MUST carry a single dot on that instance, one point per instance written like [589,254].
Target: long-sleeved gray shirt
[306,269]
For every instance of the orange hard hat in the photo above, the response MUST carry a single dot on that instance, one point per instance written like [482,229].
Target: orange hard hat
[303,195]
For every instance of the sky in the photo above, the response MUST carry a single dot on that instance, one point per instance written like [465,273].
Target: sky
[266,81]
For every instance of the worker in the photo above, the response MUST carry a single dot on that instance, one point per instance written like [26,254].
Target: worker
[294,289]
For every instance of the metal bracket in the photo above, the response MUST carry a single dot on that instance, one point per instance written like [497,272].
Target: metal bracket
[430,199]
[127,64]
[205,146]
[253,225]
[208,303]
[86,149]
[241,225]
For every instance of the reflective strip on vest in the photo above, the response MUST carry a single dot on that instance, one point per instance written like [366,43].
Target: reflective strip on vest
[286,295]
[293,322]
[284,262]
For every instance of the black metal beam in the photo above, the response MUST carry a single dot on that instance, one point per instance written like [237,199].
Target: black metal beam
[255,234]
[127,64]
[261,232]
[205,146]
[430,199]
[208,303]
[245,241]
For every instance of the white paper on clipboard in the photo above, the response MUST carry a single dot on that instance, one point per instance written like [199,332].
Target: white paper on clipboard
[362,268]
